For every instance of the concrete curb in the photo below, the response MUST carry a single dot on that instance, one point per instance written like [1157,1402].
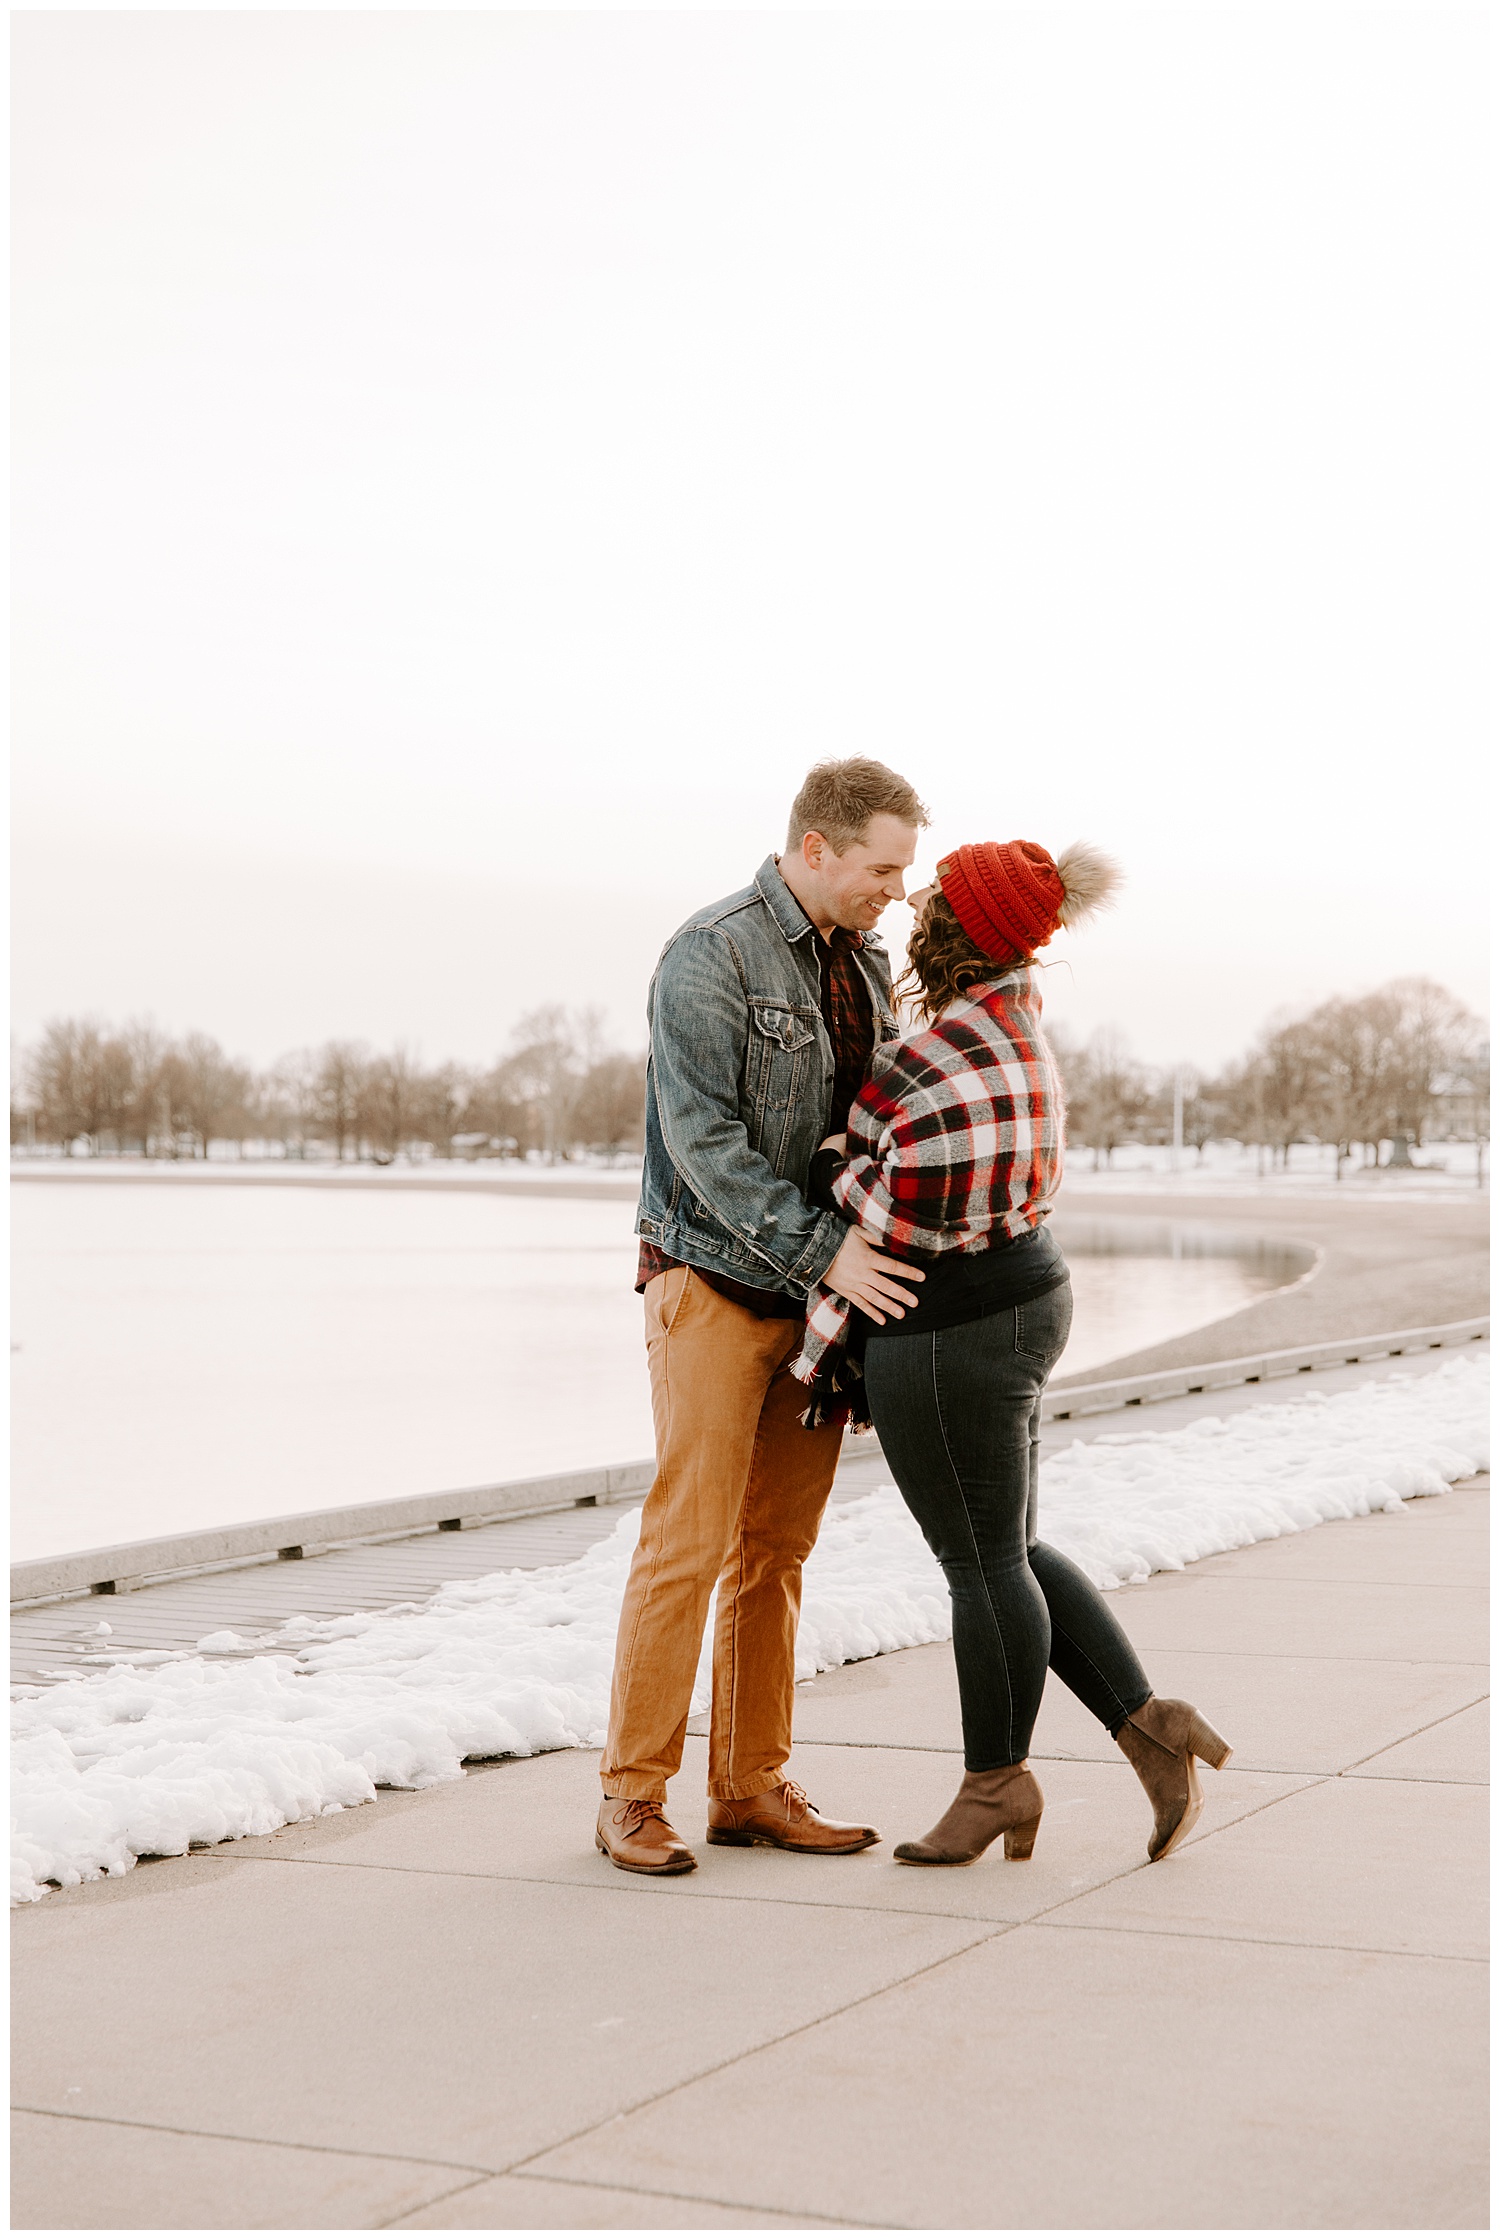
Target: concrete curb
[138,1563]
[1254,1368]
[134,1563]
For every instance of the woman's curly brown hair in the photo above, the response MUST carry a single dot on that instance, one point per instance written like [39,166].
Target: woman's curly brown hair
[943,962]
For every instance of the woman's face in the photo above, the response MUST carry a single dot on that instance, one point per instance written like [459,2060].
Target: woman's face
[920,900]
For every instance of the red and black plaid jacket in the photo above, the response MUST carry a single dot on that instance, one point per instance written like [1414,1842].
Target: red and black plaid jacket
[957,1134]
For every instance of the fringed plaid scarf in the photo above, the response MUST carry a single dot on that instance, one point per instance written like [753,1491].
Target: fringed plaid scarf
[958,1133]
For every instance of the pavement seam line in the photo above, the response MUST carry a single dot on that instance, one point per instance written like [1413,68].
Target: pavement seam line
[693,2200]
[1268,1944]
[1355,1763]
[785,2037]
[247,2139]
[1143,1866]
[1241,1766]
[699,1896]
[609,1889]
[521,2169]
[454,2193]
[1307,1780]
[1420,1780]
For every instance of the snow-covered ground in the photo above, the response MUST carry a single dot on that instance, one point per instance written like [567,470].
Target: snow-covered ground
[159,1751]
[1437,1170]
[210,1353]
[1233,1170]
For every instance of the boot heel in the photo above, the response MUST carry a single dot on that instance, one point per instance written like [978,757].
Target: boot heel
[1019,1840]
[733,1837]
[1205,1744]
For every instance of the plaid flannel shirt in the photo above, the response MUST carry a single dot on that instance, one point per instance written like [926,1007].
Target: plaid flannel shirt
[958,1133]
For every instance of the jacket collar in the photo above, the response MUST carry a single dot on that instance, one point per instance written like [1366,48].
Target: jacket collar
[781,902]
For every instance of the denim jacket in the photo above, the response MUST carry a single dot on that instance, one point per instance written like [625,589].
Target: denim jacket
[738,1084]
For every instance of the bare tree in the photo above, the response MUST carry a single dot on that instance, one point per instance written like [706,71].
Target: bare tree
[23,1098]
[80,1082]
[1275,1097]
[609,1113]
[542,1073]
[147,1118]
[1354,1042]
[448,1096]
[282,1103]
[391,1103]
[1108,1094]
[1200,1111]
[1434,1034]
[496,1113]
[337,1085]
[205,1094]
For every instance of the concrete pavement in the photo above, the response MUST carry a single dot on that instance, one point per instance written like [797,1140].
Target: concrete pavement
[445,2011]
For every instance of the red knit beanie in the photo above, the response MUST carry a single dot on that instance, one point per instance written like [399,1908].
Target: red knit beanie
[1007,895]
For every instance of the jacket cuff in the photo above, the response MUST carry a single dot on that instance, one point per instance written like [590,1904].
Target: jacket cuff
[821,1250]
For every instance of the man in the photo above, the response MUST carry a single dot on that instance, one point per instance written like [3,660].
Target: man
[764,1011]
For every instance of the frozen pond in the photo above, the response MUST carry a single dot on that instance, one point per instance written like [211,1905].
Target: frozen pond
[209,1353]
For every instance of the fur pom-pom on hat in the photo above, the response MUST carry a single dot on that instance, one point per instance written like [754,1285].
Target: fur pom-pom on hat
[1010,897]
[1090,881]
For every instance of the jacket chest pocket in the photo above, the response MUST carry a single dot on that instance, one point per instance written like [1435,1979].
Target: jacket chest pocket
[782,1050]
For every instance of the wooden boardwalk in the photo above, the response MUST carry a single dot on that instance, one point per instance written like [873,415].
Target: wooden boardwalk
[252,1600]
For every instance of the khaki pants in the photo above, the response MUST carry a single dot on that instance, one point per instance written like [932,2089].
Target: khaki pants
[739,1492]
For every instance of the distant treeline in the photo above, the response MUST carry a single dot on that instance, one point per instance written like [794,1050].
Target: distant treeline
[1399,1067]
[1396,1068]
[135,1092]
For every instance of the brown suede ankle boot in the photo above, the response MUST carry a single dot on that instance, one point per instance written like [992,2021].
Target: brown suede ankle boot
[1161,1740]
[1005,1801]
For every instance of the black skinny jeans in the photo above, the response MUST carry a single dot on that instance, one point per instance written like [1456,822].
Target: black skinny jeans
[959,1416]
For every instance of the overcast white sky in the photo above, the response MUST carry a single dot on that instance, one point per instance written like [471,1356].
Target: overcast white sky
[469,465]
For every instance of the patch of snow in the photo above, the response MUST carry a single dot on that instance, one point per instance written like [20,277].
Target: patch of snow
[131,1762]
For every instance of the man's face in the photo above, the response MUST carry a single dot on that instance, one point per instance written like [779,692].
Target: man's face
[857,885]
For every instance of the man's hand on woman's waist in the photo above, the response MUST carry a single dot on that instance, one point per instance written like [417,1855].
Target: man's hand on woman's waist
[861,1274]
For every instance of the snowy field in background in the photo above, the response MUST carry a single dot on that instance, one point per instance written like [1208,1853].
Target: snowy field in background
[160,1751]
[1232,1170]
[208,1354]
[1439,1170]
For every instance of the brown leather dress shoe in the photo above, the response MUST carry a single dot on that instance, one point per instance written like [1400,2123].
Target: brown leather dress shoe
[635,1833]
[785,1817]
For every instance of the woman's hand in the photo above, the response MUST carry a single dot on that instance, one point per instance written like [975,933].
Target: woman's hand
[859,1273]
[840,1144]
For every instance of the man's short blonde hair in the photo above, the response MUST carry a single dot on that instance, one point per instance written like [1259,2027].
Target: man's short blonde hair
[838,799]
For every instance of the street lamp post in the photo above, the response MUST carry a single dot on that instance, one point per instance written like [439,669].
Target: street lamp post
[1177,1120]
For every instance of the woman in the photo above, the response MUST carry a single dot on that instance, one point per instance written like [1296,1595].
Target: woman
[952,1160]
